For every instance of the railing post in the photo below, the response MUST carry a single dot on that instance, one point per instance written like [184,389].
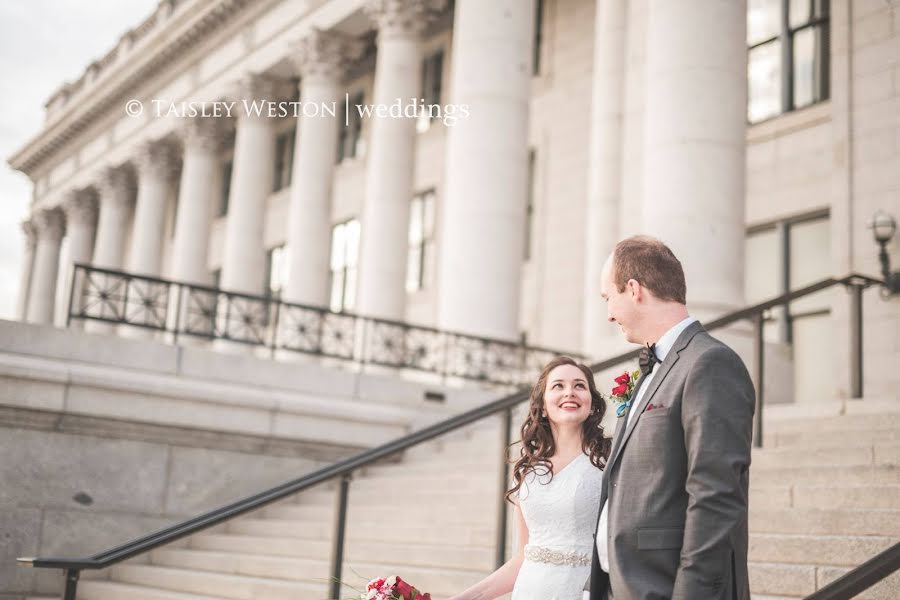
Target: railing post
[856,340]
[72,296]
[71,576]
[503,506]
[178,300]
[275,325]
[340,527]
[759,347]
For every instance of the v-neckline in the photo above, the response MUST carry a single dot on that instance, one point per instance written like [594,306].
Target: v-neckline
[568,464]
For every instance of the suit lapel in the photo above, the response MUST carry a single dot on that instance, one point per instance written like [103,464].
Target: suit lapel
[671,358]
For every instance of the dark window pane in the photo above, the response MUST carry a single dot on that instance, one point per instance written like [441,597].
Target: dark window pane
[764,81]
[809,74]
[763,20]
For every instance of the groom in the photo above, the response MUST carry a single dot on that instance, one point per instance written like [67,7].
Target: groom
[673,517]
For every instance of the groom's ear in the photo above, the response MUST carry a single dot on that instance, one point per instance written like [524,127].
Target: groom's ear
[635,288]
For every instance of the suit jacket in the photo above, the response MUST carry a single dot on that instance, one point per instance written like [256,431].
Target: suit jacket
[677,481]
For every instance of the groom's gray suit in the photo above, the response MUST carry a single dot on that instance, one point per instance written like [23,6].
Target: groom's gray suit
[677,481]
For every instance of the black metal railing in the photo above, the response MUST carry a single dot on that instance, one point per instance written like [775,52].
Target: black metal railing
[844,588]
[180,309]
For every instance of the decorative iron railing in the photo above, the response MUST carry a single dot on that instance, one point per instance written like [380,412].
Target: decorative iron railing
[179,309]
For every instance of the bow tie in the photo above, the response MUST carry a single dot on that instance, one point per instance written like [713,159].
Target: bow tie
[648,358]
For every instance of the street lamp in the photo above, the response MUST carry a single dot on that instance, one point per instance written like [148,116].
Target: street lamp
[883,227]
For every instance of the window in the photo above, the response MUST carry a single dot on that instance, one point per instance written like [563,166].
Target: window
[787,255]
[344,265]
[226,188]
[284,160]
[538,37]
[420,258]
[276,270]
[432,73]
[349,143]
[529,204]
[787,66]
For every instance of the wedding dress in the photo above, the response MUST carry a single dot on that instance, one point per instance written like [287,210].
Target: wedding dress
[561,514]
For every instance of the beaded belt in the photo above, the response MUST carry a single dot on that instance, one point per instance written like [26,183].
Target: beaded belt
[556,557]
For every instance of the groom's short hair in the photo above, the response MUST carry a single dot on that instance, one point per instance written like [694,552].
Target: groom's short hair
[652,264]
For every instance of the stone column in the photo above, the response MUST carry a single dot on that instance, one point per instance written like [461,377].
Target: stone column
[694,144]
[483,209]
[244,257]
[50,226]
[156,167]
[389,172]
[605,166]
[320,59]
[116,212]
[27,269]
[81,224]
[200,190]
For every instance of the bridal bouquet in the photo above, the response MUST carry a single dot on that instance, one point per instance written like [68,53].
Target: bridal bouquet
[392,588]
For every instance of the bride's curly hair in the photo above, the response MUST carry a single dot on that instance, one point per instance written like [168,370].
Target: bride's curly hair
[537,440]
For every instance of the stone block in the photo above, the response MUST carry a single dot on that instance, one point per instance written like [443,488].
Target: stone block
[71,471]
[20,530]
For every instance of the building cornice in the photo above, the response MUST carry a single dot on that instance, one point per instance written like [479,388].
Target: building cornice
[100,91]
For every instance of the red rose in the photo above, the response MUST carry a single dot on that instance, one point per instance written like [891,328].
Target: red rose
[375,584]
[404,589]
[620,390]
[623,378]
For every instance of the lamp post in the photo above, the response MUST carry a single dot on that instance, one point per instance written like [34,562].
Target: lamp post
[883,227]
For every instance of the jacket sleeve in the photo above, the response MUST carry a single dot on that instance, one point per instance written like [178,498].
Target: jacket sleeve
[717,417]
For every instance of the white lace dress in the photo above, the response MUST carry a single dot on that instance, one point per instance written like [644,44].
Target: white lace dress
[561,514]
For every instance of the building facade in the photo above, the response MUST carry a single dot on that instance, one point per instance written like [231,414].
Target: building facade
[251,147]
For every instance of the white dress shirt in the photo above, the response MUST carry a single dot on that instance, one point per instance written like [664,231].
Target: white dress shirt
[663,346]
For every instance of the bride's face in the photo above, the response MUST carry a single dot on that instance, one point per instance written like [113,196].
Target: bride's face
[567,398]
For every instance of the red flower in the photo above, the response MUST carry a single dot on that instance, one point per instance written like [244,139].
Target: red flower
[375,584]
[624,378]
[620,390]
[404,589]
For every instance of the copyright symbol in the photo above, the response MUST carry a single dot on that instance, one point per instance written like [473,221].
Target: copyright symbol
[134,108]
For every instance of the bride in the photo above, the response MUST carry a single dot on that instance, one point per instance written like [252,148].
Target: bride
[556,490]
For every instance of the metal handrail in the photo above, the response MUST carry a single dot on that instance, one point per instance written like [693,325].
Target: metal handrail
[861,578]
[346,467]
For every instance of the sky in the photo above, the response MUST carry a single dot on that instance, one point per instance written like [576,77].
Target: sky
[43,44]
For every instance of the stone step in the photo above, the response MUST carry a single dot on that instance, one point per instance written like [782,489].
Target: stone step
[413,511]
[844,424]
[858,497]
[364,530]
[251,564]
[234,587]
[822,475]
[268,545]
[443,580]
[815,457]
[814,439]
[826,522]
[110,590]
[799,581]
[826,497]
[817,549]
[419,554]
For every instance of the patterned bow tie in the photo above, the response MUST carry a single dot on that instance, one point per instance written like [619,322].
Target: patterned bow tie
[648,358]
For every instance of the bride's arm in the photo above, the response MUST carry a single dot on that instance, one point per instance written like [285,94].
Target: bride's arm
[502,580]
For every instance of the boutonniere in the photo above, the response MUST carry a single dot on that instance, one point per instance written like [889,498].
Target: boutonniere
[622,392]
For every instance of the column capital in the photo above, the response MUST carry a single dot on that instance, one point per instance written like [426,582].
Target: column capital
[80,208]
[30,232]
[49,223]
[202,133]
[116,184]
[403,18]
[325,54]
[157,158]
[260,87]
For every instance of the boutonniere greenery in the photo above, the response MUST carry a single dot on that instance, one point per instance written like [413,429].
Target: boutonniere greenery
[621,394]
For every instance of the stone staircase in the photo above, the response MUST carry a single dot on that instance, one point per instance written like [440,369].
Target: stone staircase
[825,497]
